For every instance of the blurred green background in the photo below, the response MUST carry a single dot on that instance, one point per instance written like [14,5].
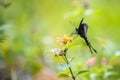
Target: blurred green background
[29,28]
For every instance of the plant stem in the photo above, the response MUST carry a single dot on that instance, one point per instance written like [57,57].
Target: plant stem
[66,60]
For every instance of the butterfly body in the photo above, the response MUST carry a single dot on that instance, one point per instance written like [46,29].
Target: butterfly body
[82,32]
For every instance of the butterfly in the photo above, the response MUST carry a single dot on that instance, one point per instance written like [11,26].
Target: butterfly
[82,32]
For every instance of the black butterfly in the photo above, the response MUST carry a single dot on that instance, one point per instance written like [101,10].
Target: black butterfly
[82,32]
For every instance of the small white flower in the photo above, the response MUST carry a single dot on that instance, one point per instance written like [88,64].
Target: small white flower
[57,51]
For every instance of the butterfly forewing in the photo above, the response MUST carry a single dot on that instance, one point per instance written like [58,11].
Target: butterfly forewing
[82,30]
[81,21]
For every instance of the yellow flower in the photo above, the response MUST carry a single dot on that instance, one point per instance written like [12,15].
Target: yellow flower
[64,40]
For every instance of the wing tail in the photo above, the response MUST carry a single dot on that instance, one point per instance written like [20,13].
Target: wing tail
[90,46]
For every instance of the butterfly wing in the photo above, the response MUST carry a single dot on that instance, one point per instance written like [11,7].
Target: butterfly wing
[83,30]
[81,21]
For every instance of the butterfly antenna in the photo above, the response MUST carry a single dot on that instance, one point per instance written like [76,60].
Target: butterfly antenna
[72,24]
[74,32]
[75,37]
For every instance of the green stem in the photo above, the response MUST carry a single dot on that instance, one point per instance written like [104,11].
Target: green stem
[66,60]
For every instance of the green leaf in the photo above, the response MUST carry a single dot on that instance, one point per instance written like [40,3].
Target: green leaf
[63,75]
[64,66]
[72,44]
[112,73]
[82,71]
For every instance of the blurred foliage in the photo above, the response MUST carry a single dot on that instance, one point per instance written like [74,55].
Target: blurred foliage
[28,29]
